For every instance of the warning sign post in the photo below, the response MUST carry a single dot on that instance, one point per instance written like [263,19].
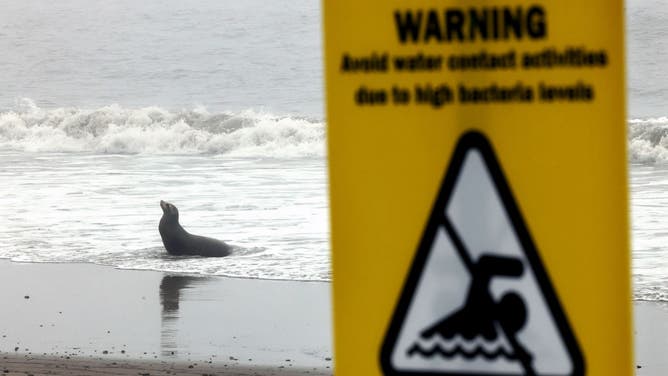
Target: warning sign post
[478,187]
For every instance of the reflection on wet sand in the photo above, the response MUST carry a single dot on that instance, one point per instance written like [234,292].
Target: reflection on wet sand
[170,295]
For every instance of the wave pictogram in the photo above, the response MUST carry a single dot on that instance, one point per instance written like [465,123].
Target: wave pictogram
[478,351]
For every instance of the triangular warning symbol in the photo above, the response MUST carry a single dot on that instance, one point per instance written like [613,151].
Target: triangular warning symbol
[477,300]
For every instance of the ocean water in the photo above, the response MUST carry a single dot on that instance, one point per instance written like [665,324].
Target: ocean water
[647,83]
[85,186]
[108,107]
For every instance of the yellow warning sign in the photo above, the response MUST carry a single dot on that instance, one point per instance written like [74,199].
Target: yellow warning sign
[478,187]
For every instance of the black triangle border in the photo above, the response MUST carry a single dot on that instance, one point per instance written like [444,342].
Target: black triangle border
[476,140]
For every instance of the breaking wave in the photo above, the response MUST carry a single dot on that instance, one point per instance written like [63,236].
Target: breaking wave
[648,141]
[154,130]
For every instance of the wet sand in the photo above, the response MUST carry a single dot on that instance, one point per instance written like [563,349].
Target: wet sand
[15,365]
[89,319]
[28,365]
[82,319]
[651,338]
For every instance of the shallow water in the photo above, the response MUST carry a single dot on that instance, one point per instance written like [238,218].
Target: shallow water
[649,191]
[104,209]
[218,107]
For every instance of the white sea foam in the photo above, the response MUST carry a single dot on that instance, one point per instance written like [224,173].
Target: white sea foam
[214,165]
[103,209]
[154,130]
[648,143]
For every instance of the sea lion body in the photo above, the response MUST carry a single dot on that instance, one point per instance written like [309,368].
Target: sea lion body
[178,241]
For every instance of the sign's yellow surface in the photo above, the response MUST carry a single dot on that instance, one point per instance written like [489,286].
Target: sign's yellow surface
[478,187]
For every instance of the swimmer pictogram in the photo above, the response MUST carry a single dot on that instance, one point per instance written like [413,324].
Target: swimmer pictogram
[482,316]
[477,299]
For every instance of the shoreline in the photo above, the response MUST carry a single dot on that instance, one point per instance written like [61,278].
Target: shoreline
[78,318]
[86,315]
[44,365]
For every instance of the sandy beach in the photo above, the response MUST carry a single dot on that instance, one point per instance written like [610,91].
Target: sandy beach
[651,338]
[89,319]
[82,319]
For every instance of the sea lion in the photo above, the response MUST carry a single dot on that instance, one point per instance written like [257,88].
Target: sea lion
[178,241]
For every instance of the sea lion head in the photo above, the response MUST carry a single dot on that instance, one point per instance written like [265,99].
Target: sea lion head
[169,211]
